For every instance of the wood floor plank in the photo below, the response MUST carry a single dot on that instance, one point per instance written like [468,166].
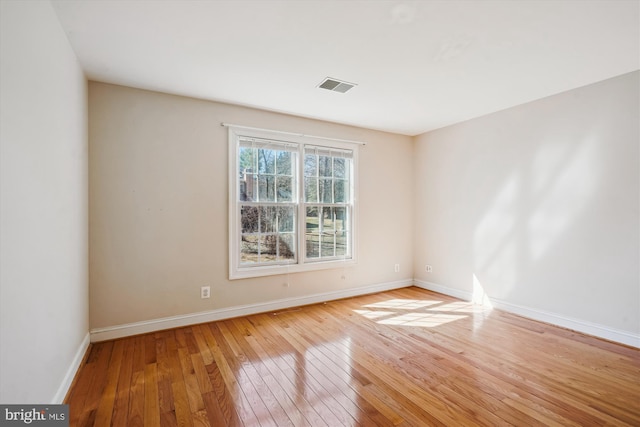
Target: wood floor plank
[107,401]
[135,417]
[235,358]
[194,394]
[150,349]
[78,394]
[151,401]
[168,419]
[225,385]
[406,357]
[165,393]
[100,358]
[202,376]
[178,386]
[215,415]
[203,348]
[245,357]
[121,404]
[224,399]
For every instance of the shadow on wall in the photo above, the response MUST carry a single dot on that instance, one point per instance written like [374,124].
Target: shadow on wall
[534,208]
[537,207]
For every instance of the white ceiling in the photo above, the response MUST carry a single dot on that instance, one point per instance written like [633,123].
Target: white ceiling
[419,65]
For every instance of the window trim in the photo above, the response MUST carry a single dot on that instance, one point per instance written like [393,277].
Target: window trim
[302,264]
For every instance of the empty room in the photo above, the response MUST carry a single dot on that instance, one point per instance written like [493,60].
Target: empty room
[320,213]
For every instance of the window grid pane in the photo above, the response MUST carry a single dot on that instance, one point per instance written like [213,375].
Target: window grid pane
[266,174]
[268,234]
[327,199]
[267,216]
[327,231]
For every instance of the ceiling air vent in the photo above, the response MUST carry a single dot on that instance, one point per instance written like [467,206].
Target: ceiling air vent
[335,85]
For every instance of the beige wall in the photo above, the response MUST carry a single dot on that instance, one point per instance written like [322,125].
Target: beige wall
[158,207]
[540,203]
[43,206]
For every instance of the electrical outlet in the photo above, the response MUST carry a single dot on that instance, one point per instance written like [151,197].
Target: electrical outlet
[428,268]
[205,292]
[396,268]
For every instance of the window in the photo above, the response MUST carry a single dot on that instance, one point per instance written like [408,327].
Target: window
[291,203]
[327,202]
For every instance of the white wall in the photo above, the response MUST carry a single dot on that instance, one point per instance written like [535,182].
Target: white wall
[539,204]
[43,206]
[159,218]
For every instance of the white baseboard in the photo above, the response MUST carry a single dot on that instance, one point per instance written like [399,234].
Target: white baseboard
[71,371]
[120,331]
[456,293]
[611,334]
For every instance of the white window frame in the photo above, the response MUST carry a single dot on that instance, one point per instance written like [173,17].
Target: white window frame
[237,271]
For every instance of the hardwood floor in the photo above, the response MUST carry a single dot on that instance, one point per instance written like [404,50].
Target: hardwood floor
[406,358]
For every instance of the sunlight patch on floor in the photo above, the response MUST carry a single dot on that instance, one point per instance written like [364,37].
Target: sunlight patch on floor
[426,320]
[373,314]
[403,304]
[461,307]
[415,312]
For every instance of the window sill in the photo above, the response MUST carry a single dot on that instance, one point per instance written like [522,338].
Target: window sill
[249,272]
